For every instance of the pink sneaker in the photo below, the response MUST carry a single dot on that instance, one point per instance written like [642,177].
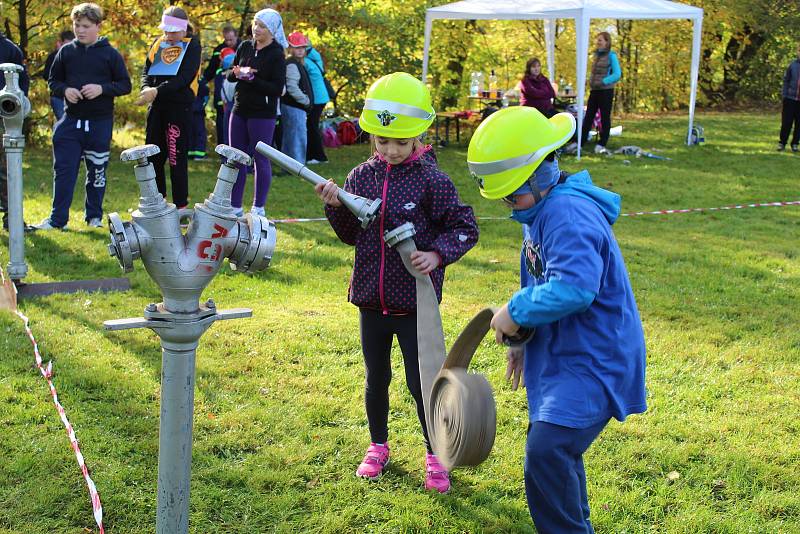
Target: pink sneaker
[374,461]
[436,476]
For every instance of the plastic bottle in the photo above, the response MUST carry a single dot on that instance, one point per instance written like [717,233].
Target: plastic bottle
[492,85]
[475,84]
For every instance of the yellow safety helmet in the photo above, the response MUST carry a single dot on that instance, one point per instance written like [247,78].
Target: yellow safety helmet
[397,106]
[510,144]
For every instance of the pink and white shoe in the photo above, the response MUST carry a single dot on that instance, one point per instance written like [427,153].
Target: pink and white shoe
[436,476]
[374,461]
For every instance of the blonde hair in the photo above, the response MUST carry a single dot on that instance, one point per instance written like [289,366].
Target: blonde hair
[87,10]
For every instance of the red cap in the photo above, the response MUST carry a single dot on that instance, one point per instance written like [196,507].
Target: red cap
[297,39]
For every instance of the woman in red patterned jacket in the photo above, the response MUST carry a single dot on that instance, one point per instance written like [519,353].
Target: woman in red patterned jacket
[403,173]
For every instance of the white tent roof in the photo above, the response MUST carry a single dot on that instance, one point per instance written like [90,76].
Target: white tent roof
[549,9]
[582,11]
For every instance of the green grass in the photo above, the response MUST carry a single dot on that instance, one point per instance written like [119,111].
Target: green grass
[279,422]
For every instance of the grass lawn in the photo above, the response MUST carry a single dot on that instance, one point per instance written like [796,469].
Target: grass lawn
[279,422]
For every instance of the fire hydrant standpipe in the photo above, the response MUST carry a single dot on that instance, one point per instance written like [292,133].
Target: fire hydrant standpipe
[14,107]
[182,266]
[459,406]
[364,209]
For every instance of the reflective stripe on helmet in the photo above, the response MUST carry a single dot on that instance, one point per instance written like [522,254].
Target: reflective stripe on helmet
[502,165]
[401,109]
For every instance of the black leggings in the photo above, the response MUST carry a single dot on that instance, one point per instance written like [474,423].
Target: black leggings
[377,332]
[790,115]
[170,127]
[315,149]
[601,99]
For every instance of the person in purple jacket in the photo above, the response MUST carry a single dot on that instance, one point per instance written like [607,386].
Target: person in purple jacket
[535,88]
[404,174]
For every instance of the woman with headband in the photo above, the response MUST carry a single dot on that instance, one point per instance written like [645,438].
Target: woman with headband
[169,86]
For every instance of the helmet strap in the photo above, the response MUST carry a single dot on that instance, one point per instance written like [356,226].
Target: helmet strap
[535,191]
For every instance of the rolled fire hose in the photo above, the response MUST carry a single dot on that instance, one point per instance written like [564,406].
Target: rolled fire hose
[459,405]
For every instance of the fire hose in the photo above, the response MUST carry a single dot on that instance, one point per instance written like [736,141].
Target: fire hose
[459,405]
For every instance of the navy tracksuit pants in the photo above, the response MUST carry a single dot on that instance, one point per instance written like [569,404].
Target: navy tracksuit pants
[75,140]
[555,480]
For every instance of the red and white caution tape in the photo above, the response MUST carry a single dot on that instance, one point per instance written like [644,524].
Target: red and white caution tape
[721,208]
[631,214]
[47,373]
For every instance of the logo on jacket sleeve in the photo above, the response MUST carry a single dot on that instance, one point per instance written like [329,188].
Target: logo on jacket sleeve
[386,118]
[533,258]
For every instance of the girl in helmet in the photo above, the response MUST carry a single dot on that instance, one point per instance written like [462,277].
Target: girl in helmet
[586,362]
[403,173]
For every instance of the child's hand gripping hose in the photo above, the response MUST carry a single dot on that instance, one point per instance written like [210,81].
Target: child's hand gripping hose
[365,210]
[459,406]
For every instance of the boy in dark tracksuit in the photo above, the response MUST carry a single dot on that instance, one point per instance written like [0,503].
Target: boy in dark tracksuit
[791,104]
[88,73]
[9,53]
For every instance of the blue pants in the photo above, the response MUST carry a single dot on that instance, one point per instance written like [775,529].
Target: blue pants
[555,481]
[295,136]
[197,146]
[75,140]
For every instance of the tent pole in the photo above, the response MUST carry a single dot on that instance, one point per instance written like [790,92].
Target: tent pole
[697,35]
[550,41]
[426,51]
[582,51]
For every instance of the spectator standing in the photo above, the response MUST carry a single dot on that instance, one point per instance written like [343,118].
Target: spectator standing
[791,104]
[227,91]
[88,74]
[536,91]
[297,101]
[9,53]
[65,37]
[315,151]
[170,87]
[213,73]
[197,147]
[259,70]
[605,74]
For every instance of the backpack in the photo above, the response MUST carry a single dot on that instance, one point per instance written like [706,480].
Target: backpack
[346,132]
[329,137]
[697,137]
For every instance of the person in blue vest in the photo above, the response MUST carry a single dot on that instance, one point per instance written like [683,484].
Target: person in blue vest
[9,53]
[585,363]
[315,150]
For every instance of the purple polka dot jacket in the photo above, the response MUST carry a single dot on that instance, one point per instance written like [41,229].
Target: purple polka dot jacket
[415,191]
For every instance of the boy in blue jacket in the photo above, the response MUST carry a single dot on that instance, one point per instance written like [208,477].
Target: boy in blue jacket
[88,73]
[586,361]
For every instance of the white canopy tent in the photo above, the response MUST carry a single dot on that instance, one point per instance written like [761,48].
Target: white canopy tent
[582,12]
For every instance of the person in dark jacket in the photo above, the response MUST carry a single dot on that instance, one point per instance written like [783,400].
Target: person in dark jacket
[791,104]
[404,175]
[536,90]
[297,101]
[64,38]
[9,53]
[259,70]
[169,86]
[214,73]
[88,74]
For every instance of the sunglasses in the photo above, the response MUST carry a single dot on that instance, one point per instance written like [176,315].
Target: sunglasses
[509,200]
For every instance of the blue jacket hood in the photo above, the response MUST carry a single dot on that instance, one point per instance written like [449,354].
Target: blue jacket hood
[580,185]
